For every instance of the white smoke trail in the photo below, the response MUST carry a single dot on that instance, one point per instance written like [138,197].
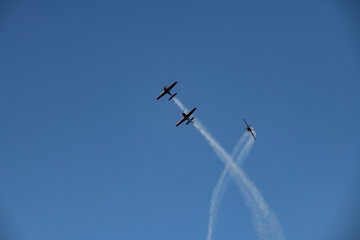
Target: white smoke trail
[223,181]
[221,185]
[239,144]
[265,221]
[180,105]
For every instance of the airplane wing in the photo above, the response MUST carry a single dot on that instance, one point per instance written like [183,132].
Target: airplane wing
[253,134]
[246,123]
[162,94]
[181,121]
[172,85]
[191,112]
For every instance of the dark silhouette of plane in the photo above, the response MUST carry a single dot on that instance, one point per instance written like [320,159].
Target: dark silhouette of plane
[166,90]
[249,129]
[186,117]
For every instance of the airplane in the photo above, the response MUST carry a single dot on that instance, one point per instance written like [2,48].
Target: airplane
[166,90]
[249,129]
[186,117]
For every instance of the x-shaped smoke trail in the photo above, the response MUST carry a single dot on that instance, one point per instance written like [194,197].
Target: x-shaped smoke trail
[240,151]
[264,219]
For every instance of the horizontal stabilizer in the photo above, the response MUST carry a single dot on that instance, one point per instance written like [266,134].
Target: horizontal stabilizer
[190,121]
[172,96]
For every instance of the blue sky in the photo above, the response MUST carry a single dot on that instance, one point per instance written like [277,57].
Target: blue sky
[88,153]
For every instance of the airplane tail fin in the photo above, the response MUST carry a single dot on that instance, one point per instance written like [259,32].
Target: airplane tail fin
[172,96]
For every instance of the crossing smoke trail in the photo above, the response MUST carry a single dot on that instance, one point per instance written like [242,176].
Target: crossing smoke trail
[223,180]
[264,220]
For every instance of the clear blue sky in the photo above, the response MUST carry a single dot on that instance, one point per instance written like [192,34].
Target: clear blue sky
[86,152]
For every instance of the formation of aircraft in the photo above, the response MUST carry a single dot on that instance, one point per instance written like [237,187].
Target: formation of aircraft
[249,129]
[166,90]
[187,116]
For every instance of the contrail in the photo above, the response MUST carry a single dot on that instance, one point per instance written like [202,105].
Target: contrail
[180,105]
[223,181]
[239,145]
[221,186]
[264,220]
